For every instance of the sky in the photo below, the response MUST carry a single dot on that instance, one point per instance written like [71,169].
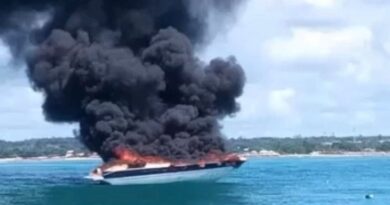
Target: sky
[313,67]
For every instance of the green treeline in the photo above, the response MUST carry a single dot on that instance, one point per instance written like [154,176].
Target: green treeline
[39,147]
[296,145]
[306,145]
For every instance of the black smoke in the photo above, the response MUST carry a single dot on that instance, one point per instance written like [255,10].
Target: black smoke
[126,71]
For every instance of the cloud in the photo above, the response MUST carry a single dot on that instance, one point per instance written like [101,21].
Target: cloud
[364,118]
[304,43]
[313,67]
[251,107]
[321,3]
[280,101]
[314,3]
[360,71]
[5,55]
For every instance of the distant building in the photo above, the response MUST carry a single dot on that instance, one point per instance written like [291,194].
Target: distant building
[254,152]
[369,150]
[81,154]
[264,152]
[69,153]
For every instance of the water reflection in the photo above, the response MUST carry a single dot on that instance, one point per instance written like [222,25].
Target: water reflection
[185,193]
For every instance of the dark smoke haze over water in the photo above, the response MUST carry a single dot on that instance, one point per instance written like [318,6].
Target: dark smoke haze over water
[126,72]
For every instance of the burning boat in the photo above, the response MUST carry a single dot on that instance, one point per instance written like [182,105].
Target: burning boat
[126,72]
[135,169]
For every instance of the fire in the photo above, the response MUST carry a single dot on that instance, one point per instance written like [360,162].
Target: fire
[126,154]
[130,158]
[231,158]
[214,156]
[155,159]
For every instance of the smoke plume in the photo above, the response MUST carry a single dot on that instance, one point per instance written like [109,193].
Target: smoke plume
[126,71]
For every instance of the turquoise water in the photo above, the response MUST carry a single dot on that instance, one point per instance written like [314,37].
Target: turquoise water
[274,181]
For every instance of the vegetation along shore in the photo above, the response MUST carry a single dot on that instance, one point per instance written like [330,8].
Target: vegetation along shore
[69,148]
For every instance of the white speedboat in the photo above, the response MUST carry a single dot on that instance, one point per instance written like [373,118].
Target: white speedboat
[162,173]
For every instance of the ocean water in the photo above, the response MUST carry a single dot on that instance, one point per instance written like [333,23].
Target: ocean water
[298,181]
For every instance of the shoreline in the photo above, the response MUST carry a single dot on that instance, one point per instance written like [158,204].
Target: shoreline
[33,159]
[319,155]
[249,155]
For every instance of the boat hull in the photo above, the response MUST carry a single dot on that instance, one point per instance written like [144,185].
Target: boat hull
[200,175]
[163,173]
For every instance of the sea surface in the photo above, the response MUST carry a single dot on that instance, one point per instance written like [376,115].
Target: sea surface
[298,181]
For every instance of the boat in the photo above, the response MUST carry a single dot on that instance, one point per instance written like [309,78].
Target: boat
[163,173]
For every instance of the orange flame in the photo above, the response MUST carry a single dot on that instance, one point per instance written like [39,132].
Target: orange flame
[130,156]
[126,154]
[133,159]
[155,159]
